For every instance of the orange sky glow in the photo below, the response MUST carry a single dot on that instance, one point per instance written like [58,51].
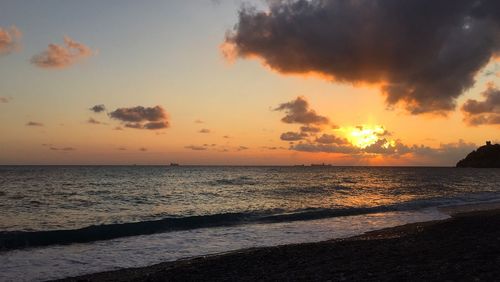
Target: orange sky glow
[184,92]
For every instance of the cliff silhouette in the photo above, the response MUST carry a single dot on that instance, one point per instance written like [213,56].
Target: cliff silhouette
[485,156]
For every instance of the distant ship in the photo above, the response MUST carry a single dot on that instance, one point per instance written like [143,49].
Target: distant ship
[323,164]
[174,164]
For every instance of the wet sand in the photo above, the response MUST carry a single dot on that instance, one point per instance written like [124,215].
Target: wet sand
[465,247]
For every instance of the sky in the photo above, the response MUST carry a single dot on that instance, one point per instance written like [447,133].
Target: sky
[248,82]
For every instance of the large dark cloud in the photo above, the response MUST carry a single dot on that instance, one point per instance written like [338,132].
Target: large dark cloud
[298,111]
[483,112]
[422,53]
[142,117]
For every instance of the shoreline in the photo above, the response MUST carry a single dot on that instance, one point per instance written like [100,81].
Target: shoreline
[465,246]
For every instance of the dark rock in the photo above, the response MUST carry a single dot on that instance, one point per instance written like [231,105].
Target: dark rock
[485,156]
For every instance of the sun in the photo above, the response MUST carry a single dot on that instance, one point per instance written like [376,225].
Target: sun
[364,135]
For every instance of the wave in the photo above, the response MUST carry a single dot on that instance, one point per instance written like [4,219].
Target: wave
[241,180]
[10,240]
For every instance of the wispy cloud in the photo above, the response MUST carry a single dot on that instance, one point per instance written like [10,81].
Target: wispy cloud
[5,99]
[196,148]
[62,56]
[204,130]
[94,121]
[63,149]
[273,148]
[10,40]
[34,123]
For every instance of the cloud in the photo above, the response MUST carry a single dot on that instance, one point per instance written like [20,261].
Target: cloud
[448,153]
[310,129]
[444,154]
[5,99]
[330,139]
[135,125]
[139,114]
[34,123]
[98,108]
[64,149]
[297,111]
[423,54]
[198,121]
[62,56]
[483,112]
[142,149]
[196,148]
[204,130]
[94,121]
[325,148]
[156,125]
[273,148]
[142,117]
[242,148]
[387,147]
[226,137]
[292,136]
[10,40]
[121,149]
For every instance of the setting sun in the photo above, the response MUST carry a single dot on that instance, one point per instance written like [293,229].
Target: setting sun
[365,135]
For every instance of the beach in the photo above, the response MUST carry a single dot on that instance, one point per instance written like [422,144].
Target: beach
[240,223]
[465,247]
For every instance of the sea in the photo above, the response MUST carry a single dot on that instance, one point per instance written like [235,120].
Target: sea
[64,221]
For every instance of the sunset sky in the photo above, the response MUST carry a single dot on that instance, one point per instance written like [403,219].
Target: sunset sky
[246,82]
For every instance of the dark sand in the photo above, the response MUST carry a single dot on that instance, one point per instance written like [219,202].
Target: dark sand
[463,248]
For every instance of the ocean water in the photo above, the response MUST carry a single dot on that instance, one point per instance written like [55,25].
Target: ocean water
[60,221]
